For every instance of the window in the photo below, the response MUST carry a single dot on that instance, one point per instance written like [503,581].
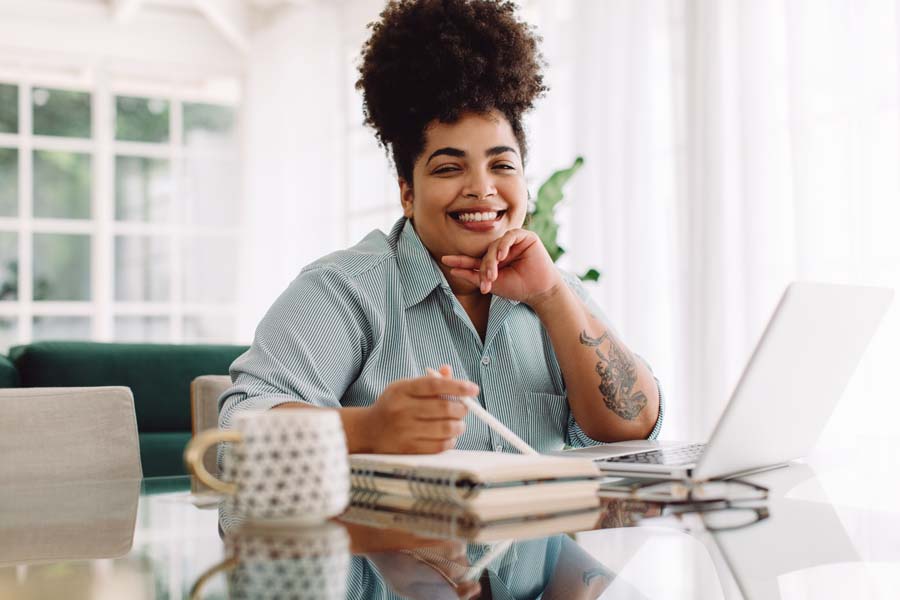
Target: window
[118,215]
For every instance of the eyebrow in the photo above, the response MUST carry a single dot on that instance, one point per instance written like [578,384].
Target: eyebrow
[457,153]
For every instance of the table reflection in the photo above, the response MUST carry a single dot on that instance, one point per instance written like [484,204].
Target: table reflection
[419,554]
[153,539]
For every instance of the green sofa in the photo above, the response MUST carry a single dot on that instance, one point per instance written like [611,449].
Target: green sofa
[159,376]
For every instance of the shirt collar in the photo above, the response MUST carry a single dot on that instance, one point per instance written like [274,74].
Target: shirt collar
[419,274]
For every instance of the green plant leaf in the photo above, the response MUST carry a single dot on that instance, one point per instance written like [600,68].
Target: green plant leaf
[590,275]
[541,219]
[551,192]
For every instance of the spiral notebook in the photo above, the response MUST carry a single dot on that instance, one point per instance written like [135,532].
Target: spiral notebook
[441,519]
[473,478]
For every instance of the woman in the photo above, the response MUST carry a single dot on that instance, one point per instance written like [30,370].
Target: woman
[457,282]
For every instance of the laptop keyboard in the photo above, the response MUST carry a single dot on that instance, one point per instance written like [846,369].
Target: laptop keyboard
[683,455]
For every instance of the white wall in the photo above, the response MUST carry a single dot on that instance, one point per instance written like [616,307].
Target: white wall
[293,147]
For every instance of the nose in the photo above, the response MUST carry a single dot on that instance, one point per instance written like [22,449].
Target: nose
[479,185]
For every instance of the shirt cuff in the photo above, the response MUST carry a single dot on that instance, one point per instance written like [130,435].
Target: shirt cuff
[240,402]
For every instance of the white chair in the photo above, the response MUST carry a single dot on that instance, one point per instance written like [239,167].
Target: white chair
[205,392]
[68,434]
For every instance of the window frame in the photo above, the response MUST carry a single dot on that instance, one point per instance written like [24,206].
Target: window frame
[102,227]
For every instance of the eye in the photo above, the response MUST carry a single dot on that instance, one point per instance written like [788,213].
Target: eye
[445,170]
[505,166]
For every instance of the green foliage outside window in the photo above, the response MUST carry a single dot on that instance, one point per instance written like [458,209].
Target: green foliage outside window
[207,117]
[61,113]
[142,119]
[62,185]
[9,108]
[9,182]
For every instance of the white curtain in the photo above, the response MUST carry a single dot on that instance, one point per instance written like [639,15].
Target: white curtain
[731,147]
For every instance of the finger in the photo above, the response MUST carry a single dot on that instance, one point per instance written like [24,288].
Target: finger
[519,247]
[507,242]
[443,430]
[468,590]
[461,261]
[428,409]
[446,371]
[429,447]
[424,387]
[489,260]
[467,275]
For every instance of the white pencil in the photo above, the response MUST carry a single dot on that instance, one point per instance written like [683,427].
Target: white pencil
[492,421]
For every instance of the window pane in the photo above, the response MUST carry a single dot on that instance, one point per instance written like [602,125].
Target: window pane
[9,265]
[61,328]
[9,108]
[62,266]
[62,185]
[207,329]
[9,333]
[210,191]
[130,328]
[143,189]
[209,267]
[142,268]
[9,182]
[206,122]
[142,119]
[60,112]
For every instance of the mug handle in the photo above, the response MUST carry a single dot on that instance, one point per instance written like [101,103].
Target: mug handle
[226,565]
[196,448]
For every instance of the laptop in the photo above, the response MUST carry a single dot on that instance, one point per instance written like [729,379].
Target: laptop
[788,390]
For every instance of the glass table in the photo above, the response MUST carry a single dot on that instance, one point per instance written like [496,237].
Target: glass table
[830,529]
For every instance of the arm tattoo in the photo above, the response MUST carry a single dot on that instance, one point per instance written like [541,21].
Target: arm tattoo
[617,378]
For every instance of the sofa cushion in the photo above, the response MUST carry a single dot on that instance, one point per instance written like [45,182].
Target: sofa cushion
[161,453]
[9,376]
[159,375]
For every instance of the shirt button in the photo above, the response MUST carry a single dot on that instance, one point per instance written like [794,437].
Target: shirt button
[498,447]
[485,360]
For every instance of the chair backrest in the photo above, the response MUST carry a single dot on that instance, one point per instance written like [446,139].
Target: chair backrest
[205,392]
[68,434]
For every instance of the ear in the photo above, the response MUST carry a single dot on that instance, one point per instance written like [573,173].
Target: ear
[406,197]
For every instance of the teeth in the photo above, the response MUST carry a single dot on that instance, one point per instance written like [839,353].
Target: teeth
[482,216]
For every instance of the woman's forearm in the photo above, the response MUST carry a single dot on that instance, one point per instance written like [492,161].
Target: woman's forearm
[613,396]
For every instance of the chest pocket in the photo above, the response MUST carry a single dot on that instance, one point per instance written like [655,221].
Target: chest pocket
[548,419]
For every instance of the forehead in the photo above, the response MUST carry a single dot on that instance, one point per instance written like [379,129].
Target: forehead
[471,133]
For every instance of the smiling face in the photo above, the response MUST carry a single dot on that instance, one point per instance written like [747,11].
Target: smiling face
[468,185]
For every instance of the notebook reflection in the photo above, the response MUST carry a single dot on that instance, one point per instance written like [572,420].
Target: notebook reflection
[366,557]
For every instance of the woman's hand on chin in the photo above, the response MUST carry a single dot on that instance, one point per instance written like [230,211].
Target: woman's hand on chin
[515,266]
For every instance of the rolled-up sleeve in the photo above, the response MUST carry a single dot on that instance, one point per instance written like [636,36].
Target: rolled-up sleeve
[309,347]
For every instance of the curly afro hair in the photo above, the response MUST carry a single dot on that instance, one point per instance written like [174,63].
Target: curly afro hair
[439,59]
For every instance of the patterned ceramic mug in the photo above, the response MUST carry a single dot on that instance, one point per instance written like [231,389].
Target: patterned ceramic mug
[305,563]
[282,464]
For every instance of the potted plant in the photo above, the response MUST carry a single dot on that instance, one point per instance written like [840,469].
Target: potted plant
[542,220]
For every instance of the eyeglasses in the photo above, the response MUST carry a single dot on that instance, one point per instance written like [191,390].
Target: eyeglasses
[686,492]
[721,505]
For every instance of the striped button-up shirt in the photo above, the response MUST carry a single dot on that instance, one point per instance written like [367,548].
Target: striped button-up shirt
[356,320]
